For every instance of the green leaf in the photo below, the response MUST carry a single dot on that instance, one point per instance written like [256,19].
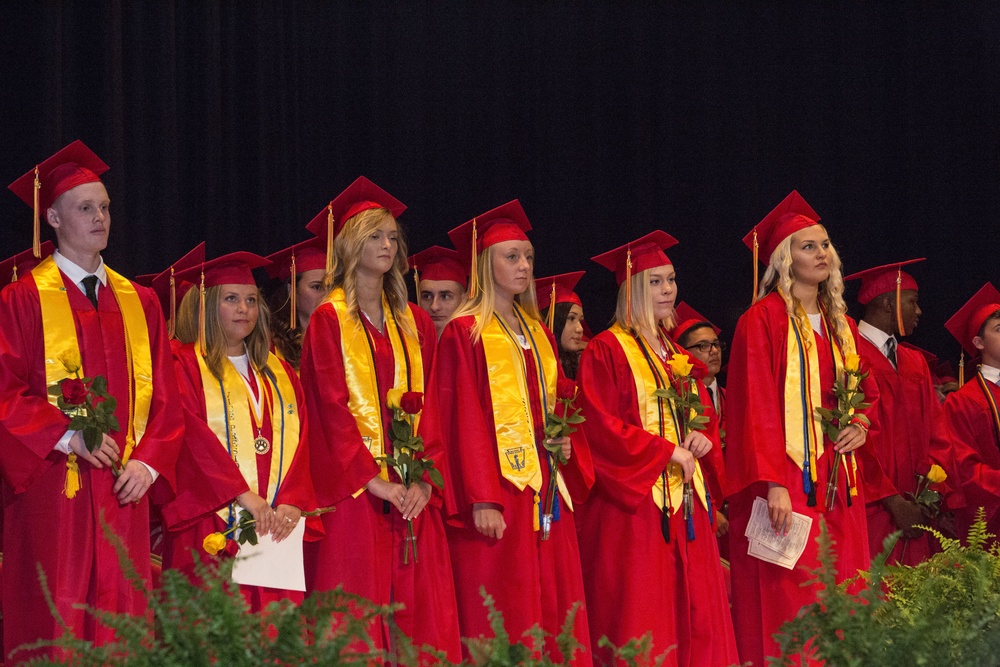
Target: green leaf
[92,437]
[435,477]
[55,390]
[576,419]
[825,414]
[113,424]
[99,385]
[109,404]
[401,430]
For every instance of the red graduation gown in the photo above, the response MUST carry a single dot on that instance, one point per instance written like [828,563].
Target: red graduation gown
[41,524]
[216,481]
[635,581]
[532,581]
[976,453]
[363,546]
[911,436]
[766,595]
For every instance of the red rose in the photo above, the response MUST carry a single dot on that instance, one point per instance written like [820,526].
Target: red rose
[73,391]
[566,389]
[412,402]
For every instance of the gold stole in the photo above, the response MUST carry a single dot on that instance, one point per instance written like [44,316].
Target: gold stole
[803,392]
[657,420]
[364,398]
[227,407]
[515,427]
[59,327]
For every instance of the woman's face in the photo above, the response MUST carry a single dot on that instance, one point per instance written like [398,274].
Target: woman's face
[380,248]
[663,291]
[811,255]
[571,339]
[238,312]
[310,292]
[513,264]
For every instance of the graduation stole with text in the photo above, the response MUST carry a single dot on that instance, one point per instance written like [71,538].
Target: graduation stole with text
[228,406]
[60,341]
[364,394]
[803,392]
[509,393]
[648,378]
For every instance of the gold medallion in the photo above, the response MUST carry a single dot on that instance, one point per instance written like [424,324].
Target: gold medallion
[261,445]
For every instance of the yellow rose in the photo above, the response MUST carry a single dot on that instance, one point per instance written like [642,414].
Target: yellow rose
[393,397]
[936,474]
[70,359]
[852,362]
[214,543]
[681,365]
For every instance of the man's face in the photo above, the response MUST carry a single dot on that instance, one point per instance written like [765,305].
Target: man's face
[910,310]
[81,218]
[989,342]
[705,345]
[440,298]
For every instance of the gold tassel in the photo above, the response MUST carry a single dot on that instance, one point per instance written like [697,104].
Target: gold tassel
[534,514]
[899,304]
[293,286]
[173,306]
[628,287]
[201,316]
[961,370]
[36,241]
[756,268]
[13,278]
[72,476]
[474,277]
[329,241]
[416,283]
[552,308]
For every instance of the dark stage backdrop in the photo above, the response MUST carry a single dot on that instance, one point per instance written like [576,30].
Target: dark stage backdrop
[235,122]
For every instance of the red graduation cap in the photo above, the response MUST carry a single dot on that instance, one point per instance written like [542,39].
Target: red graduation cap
[14,267]
[966,323]
[558,289]
[506,222]
[39,188]
[644,253]
[439,263]
[169,288]
[306,255]
[689,318]
[359,196]
[789,216]
[884,279]
[232,269]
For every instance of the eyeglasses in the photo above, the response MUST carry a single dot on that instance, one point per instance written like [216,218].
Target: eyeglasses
[706,346]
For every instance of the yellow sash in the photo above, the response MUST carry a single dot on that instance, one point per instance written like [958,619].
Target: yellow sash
[364,398]
[803,392]
[515,427]
[227,405]
[657,420]
[61,343]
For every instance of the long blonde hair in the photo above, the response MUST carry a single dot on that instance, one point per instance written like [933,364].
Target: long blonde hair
[642,305]
[779,276]
[216,346]
[348,247]
[482,303]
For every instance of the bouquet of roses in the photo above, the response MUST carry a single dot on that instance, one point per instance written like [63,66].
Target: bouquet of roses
[929,499]
[407,447]
[850,399]
[558,426]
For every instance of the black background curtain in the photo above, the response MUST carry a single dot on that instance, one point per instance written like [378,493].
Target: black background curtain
[235,122]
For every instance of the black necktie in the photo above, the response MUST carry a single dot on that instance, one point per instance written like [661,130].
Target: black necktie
[90,284]
[890,350]
[711,394]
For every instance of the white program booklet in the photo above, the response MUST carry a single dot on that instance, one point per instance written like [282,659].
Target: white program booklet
[782,550]
[273,565]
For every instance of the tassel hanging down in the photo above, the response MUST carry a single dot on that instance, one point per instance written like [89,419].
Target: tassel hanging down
[899,303]
[961,370]
[201,316]
[474,271]
[552,308]
[72,476]
[36,240]
[293,287]
[756,267]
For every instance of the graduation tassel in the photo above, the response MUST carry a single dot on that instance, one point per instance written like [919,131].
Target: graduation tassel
[293,315]
[13,277]
[171,325]
[961,370]
[665,510]
[552,308]
[201,316]
[628,286]
[536,523]
[329,242]
[689,512]
[899,305]
[36,240]
[708,499]
[474,271]
[756,268]
[72,476]
[416,283]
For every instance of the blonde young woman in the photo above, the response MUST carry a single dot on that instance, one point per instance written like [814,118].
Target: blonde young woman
[651,562]
[363,341]
[494,380]
[245,438]
[788,350]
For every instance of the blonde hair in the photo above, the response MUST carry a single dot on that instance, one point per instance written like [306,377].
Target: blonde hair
[642,305]
[779,276]
[348,247]
[483,302]
[216,346]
